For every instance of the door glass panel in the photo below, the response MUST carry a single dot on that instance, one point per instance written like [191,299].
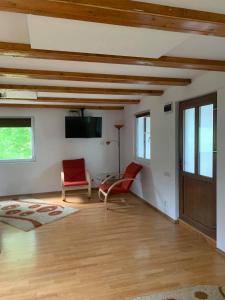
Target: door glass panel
[206,140]
[189,141]
[148,138]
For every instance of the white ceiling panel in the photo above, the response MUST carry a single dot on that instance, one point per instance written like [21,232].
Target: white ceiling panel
[34,95]
[217,6]
[201,46]
[69,35]
[13,28]
[42,64]
[19,95]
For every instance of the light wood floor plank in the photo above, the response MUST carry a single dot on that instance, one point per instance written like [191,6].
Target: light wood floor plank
[99,255]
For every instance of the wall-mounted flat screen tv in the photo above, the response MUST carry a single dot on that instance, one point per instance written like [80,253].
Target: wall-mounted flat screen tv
[83,127]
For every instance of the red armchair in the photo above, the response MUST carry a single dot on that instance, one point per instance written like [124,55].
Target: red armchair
[75,177]
[122,185]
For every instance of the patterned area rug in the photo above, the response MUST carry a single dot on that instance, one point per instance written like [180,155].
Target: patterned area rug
[31,213]
[192,293]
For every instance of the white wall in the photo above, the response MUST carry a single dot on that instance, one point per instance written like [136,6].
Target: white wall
[159,180]
[154,185]
[51,147]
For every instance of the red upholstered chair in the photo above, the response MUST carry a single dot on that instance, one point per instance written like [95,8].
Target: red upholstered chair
[75,176]
[120,186]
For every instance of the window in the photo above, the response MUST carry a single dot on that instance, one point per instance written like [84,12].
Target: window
[16,139]
[143,135]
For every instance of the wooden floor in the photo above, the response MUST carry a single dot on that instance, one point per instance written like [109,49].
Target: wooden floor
[99,255]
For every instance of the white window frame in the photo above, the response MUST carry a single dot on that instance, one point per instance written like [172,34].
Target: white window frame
[33,159]
[138,158]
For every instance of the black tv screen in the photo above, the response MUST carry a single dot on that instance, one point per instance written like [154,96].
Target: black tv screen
[83,127]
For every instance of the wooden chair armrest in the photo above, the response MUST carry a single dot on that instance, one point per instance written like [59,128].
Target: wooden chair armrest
[107,179]
[88,176]
[116,176]
[62,178]
[118,182]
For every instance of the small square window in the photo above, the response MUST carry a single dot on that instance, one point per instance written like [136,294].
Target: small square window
[16,139]
[143,136]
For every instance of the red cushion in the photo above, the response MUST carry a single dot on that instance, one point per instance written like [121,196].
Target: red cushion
[74,170]
[131,172]
[75,183]
[116,190]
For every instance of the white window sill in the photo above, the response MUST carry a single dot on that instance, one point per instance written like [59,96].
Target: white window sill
[143,161]
[16,161]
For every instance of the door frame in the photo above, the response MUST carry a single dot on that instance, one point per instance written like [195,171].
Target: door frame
[188,103]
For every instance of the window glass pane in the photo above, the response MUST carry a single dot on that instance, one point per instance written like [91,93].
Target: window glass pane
[143,135]
[16,143]
[140,137]
[189,140]
[148,138]
[206,140]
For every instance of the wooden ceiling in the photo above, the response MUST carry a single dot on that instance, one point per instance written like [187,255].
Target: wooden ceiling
[125,13]
[122,13]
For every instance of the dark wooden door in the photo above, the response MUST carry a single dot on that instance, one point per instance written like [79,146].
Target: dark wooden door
[197,123]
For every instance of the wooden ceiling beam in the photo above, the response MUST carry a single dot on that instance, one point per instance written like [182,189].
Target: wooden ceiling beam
[25,50]
[61,106]
[124,13]
[78,90]
[75,100]
[91,77]
[88,100]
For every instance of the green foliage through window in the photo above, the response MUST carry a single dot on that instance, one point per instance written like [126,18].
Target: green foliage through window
[16,143]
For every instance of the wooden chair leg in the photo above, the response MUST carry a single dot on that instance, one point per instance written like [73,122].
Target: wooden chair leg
[63,195]
[105,201]
[89,191]
[100,195]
